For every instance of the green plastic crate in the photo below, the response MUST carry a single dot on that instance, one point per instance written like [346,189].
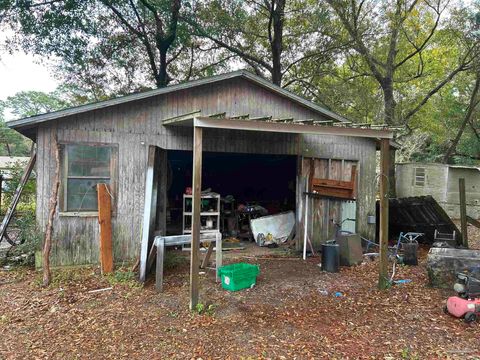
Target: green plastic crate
[238,276]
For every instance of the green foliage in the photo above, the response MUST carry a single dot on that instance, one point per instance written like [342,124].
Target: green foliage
[123,277]
[173,260]
[29,238]
[14,175]
[203,309]
[11,142]
[30,103]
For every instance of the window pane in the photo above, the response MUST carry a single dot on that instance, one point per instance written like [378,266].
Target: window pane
[84,160]
[82,194]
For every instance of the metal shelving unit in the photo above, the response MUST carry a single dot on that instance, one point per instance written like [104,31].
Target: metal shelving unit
[211,211]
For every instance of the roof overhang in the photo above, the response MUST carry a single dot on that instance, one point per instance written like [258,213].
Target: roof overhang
[289,128]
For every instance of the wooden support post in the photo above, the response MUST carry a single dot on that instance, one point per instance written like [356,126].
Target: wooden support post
[196,191]
[463,211]
[207,255]
[105,221]
[383,281]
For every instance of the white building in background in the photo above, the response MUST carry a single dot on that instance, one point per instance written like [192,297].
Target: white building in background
[441,182]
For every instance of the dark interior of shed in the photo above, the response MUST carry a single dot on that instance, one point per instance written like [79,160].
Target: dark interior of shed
[248,184]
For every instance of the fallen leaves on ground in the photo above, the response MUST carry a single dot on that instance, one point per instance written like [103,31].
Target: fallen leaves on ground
[291,313]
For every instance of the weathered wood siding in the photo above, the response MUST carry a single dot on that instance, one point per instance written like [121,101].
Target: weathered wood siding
[334,157]
[136,125]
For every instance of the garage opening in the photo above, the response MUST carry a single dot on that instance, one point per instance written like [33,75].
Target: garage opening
[240,186]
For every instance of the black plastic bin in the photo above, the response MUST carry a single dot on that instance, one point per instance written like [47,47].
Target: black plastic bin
[331,257]
[410,253]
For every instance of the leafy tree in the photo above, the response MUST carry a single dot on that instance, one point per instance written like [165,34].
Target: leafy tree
[30,103]
[272,37]
[12,143]
[395,43]
[107,46]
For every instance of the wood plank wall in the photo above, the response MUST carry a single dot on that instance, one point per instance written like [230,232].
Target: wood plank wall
[135,126]
[334,157]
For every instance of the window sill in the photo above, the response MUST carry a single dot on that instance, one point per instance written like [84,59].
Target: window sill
[78,213]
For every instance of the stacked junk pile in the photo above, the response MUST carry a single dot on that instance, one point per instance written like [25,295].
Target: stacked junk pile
[450,263]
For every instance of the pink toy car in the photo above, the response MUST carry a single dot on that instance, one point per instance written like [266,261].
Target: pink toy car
[458,307]
[467,303]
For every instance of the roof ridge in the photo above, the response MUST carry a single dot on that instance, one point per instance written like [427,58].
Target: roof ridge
[243,73]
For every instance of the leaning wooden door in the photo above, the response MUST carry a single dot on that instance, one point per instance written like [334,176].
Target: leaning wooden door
[325,212]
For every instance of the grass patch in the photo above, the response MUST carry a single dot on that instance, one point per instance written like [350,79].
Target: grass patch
[173,260]
[203,309]
[123,276]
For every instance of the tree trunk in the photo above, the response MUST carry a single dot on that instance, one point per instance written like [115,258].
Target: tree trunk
[162,77]
[389,103]
[276,43]
[389,119]
[47,244]
[9,151]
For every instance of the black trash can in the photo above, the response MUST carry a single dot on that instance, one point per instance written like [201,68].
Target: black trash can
[331,257]
[410,253]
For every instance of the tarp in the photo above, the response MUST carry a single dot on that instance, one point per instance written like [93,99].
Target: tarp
[280,226]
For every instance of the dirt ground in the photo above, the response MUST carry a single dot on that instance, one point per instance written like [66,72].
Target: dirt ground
[296,311]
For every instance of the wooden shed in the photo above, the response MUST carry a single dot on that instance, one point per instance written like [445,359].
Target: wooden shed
[441,182]
[242,116]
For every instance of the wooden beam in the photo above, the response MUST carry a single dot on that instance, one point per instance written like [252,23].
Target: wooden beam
[474,222]
[217,115]
[383,281]
[250,125]
[207,255]
[287,119]
[463,211]
[261,118]
[196,201]
[180,118]
[105,222]
[240,117]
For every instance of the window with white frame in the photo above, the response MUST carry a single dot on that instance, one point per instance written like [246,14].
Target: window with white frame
[85,166]
[419,176]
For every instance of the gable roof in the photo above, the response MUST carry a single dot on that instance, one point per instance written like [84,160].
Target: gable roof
[29,122]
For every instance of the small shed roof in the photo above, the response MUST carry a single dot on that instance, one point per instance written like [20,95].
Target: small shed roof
[22,124]
[453,166]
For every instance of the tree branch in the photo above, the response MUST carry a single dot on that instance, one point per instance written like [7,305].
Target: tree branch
[422,46]
[245,55]
[460,68]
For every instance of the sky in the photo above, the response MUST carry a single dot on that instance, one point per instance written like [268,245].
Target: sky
[22,72]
